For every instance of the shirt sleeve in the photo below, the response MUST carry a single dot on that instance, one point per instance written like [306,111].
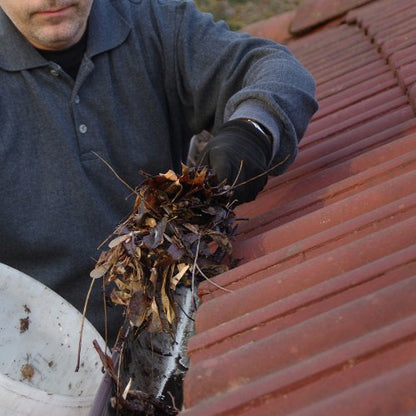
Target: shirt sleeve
[221,74]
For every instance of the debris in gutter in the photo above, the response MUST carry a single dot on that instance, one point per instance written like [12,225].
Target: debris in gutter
[178,234]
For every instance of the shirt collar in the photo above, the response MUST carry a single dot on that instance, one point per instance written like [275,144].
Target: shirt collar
[108,26]
[17,54]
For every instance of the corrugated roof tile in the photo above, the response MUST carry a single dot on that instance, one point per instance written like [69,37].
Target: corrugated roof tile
[304,353]
[352,323]
[268,284]
[355,94]
[321,311]
[403,56]
[376,10]
[314,12]
[279,204]
[276,28]
[287,311]
[399,42]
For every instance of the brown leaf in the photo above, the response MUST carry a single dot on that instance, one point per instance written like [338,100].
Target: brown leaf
[118,240]
[155,238]
[27,371]
[138,309]
[99,271]
[175,252]
[182,269]
[140,211]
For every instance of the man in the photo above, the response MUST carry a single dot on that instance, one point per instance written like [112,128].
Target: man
[131,81]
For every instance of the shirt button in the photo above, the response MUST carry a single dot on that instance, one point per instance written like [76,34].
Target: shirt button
[83,128]
[76,99]
[54,72]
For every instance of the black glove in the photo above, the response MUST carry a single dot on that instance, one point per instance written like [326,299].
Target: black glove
[239,143]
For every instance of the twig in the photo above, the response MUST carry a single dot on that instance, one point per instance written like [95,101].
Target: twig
[263,173]
[107,362]
[173,401]
[115,173]
[184,312]
[105,316]
[238,174]
[211,281]
[119,363]
[266,172]
[193,270]
[82,324]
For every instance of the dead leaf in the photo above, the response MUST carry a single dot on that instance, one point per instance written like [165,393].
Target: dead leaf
[155,238]
[182,269]
[27,371]
[99,271]
[24,324]
[118,240]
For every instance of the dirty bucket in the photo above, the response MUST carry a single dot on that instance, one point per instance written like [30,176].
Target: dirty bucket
[39,337]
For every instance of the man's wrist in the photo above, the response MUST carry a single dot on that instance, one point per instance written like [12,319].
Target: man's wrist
[259,127]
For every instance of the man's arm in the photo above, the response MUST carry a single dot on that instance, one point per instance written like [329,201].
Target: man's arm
[223,76]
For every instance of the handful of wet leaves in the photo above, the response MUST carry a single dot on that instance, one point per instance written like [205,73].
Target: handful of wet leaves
[179,233]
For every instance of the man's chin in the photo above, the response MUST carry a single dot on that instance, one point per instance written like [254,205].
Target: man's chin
[57,40]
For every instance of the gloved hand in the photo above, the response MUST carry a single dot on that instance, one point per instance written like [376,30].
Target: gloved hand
[239,143]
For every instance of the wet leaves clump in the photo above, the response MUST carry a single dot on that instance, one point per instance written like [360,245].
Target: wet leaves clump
[179,233]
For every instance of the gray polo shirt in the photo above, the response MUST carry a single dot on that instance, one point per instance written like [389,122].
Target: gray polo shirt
[155,72]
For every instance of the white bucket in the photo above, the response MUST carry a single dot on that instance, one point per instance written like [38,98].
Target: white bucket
[39,336]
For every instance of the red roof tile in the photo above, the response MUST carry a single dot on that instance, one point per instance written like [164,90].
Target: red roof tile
[322,308]
[312,13]
[276,28]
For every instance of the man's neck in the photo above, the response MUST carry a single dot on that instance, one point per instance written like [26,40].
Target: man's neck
[68,59]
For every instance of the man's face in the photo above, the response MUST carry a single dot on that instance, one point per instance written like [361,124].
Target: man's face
[49,24]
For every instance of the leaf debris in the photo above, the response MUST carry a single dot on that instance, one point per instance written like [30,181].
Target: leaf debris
[179,233]
[27,371]
[180,229]
[24,324]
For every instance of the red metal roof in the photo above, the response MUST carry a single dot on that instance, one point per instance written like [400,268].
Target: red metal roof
[322,314]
